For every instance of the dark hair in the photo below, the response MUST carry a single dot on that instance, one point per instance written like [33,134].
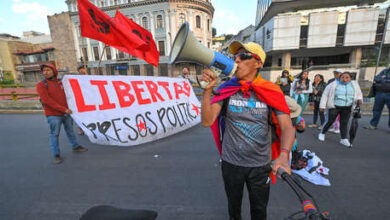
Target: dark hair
[346,73]
[320,75]
[307,80]
[81,67]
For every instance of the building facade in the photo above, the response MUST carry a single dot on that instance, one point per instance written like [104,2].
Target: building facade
[162,18]
[328,35]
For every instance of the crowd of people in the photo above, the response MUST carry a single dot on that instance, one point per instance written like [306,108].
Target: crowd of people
[338,97]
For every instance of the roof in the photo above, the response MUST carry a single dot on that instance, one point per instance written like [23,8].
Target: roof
[43,50]
[283,6]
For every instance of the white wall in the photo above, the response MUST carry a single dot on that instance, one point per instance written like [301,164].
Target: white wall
[322,29]
[287,30]
[387,29]
[361,27]
[269,35]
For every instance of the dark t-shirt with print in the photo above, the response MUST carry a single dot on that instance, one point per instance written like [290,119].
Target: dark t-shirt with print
[247,137]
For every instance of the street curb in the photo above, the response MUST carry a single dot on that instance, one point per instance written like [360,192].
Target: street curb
[18,111]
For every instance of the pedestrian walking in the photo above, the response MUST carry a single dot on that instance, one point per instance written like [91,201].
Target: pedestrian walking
[301,89]
[284,82]
[246,103]
[339,97]
[315,97]
[52,95]
[335,128]
[382,96]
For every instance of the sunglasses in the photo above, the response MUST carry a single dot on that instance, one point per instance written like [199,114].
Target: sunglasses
[246,56]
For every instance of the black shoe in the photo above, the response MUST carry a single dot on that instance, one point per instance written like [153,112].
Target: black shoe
[80,149]
[57,159]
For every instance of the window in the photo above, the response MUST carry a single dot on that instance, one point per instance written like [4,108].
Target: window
[121,55]
[145,22]
[198,21]
[101,3]
[161,47]
[96,53]
[149,69]
[182,18]
[208,44]
[163,69]
[115,2]
[159,21]
[135,69]
[108,53]
[85,53]
[208,24]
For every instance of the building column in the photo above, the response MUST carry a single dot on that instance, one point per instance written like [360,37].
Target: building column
[286,60]
[76,42]
[142,71]
[275,60]
[204,23]
[89,50]
[355,57]
[101,49]
[167,26]
[190,19]
[152,24]
[173,24]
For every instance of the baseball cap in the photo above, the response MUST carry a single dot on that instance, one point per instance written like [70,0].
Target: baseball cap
[250,47]
[338,70]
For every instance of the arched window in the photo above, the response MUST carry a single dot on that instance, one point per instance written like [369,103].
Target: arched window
[145,22]
[182,18]
[208,24]
[198,21]
[159,21]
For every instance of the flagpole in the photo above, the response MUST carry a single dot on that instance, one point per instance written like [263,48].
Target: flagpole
[100,60]
[84,55]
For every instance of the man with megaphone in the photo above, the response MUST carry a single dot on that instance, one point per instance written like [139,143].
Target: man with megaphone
[243,115]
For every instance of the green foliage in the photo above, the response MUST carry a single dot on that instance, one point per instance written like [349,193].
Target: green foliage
[7,82]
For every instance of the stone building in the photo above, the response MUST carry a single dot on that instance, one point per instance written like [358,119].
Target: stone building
[62,34]
[9,45]
[162,18]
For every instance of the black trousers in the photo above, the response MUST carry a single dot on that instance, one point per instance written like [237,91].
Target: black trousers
[345,113]
[258,186]
[317,112]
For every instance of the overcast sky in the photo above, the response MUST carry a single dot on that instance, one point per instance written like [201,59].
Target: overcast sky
[17,16]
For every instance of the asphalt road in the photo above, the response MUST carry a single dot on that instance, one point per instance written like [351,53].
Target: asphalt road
[179,176]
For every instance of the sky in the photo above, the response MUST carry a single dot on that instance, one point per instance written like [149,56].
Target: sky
[17,16]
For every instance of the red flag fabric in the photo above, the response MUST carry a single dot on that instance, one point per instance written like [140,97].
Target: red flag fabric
[95,24]
[152,55]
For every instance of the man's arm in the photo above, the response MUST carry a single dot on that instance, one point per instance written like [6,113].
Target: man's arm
[47,100]
[209,111]
[286,142]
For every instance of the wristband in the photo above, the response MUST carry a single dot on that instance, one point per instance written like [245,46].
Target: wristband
[285,150]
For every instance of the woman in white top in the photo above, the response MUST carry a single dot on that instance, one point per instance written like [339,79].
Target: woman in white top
[301,89]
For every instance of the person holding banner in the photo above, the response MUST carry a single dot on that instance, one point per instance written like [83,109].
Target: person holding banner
[250,107]
[52,95]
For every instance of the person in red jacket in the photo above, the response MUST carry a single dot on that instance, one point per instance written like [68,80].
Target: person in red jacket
[52,95]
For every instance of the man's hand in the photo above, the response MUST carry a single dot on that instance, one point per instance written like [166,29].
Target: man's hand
[210,77]
[281,162]
[68,111]
[359,101]
[322,110]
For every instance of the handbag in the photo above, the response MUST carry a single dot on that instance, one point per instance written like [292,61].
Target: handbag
[371,92]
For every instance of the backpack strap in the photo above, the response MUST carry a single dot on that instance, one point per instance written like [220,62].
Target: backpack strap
[225,105]
[45,82]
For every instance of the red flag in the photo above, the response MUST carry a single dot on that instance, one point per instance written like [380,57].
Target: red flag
[97,25]
[151,55]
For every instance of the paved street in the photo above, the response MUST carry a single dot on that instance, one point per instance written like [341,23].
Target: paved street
[179,176]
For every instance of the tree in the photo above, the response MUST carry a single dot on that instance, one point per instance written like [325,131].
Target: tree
[214,32]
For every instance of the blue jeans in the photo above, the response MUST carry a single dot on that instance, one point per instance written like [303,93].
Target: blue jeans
[55,127]
[380,100]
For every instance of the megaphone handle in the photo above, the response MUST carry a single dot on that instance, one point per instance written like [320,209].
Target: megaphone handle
[215,71]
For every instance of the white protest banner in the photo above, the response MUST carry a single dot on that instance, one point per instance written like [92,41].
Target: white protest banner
[130,110]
